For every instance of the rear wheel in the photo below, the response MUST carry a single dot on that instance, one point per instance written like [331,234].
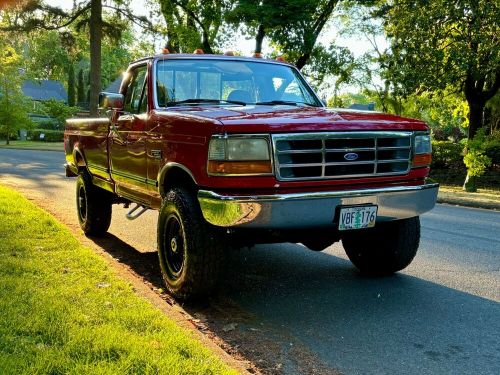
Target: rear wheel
[93,206]
[188,248]
[385,249]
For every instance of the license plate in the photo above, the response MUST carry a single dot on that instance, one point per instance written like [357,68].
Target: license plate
[358,217]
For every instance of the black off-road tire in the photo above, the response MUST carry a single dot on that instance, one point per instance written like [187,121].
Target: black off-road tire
[385,249]
[190,250]
[93,206]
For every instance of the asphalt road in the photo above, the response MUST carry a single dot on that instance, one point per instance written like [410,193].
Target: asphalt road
[294,311]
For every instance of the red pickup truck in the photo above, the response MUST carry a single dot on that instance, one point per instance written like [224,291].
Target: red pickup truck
[235,151]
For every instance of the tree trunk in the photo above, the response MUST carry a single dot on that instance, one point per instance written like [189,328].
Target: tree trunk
[259,38]
[95,55]
[476,109]
[8,137]
[207,48]
[302,60]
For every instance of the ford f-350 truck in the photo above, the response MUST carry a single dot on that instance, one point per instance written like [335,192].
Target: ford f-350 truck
[235,151]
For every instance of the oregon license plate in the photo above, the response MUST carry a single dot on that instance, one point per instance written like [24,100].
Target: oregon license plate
[358,217]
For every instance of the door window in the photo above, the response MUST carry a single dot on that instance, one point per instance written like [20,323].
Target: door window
[136,95]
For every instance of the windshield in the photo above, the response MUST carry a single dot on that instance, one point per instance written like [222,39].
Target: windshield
[229,82]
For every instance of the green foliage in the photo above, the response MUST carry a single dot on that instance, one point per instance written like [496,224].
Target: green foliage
[440,44]
[80,96]
[475,160]
[46,56]
[447,155]
[492,147]
[444,111]
[65,311]
[193,24]
[14,105]
[71,85]
[58,110]
[476,163]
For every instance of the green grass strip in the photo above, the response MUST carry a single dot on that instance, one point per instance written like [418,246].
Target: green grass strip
[64,311]
[34,145]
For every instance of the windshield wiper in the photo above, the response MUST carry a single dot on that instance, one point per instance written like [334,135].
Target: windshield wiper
[208,101]
[283,102]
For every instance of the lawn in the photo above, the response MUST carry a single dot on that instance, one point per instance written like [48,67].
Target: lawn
[63,310]
[34,145]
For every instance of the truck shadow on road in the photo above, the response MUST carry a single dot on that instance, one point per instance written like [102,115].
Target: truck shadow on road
[292,311]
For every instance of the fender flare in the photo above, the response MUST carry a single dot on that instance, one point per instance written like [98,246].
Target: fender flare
[162,174]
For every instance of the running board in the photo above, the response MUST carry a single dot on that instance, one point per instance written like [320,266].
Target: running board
[132,216]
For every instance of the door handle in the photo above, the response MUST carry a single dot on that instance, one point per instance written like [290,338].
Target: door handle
[126,118]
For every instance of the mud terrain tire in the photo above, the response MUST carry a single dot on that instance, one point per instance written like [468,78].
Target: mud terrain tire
[385,249]
[189,249]
[93,206]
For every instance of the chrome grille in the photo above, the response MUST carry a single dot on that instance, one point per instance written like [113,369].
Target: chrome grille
[312,156]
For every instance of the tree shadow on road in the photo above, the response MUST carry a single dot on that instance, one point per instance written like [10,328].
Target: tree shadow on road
[292,311]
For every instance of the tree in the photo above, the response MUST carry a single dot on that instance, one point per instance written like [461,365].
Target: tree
[193,24]
[443,43]
[80,96]
[299,33]
[38,15]
[13,104]
[71,85]
[260,18]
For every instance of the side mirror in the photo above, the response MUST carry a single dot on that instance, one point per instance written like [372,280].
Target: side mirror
[111,100]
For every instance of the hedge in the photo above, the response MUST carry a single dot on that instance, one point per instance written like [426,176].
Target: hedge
[49,135]
[447,155]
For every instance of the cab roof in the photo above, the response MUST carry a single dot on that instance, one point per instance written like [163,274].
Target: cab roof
[208,56]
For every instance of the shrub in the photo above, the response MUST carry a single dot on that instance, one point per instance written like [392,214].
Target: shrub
[492,147]
[447,154]
[475,160]
[49,135]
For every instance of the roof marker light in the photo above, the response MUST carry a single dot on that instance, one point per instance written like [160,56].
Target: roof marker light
[280,58]
[257,55]
[198,51]
[165,51]
[229,53]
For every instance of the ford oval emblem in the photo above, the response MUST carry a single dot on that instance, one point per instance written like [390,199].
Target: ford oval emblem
[351,156]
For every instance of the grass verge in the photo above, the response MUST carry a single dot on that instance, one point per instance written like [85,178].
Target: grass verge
[63,310]
[483,198]
[34,145]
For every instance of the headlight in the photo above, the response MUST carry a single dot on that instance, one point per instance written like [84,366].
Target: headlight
[239,155]
[423,144]
[422,150]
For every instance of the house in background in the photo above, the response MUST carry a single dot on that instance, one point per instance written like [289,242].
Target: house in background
[45,90]
[40,91]
[115,85]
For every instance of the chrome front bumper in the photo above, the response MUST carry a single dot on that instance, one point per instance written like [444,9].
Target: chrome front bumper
[309,210]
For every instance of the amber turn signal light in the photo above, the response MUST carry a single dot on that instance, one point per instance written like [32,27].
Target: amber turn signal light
[239,167]
[422,160]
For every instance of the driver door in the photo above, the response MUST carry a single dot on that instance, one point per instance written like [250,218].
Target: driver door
[128,140]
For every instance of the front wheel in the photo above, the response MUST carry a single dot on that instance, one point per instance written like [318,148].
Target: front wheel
[189,251]
[385,249]
[93,206]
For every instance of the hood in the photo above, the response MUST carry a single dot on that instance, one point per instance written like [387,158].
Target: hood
[262,118]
